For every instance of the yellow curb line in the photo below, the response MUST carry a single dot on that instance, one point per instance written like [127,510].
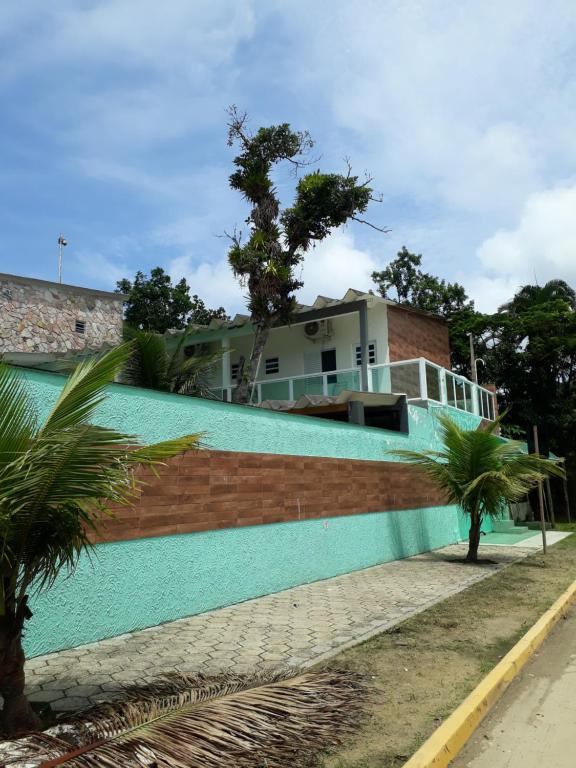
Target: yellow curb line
[447,741]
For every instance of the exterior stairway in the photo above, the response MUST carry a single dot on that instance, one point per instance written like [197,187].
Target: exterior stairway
[509,526]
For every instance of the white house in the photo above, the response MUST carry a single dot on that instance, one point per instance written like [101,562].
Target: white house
[360,341]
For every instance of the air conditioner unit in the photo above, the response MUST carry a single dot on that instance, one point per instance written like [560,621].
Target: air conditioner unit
[195,350]
[318,329]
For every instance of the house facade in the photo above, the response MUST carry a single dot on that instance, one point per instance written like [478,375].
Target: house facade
[40,320]
[359,342]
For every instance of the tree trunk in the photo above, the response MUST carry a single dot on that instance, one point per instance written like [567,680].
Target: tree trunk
[474,538]
[247,377]
[17,715]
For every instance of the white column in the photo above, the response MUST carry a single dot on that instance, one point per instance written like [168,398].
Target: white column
[423,382]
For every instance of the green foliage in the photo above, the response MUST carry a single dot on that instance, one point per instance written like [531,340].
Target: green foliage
[530,350]
[155,304]
[154,365]
[403,281]
[55,479]
[480,471]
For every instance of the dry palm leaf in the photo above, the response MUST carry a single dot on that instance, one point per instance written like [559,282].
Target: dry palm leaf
[190,722]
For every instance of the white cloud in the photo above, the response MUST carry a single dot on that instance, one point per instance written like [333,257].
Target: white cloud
[212,281]
[330,269]
[543,244]
[335,265]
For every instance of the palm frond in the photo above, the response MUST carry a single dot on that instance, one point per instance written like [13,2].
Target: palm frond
[84,389]
[17,416]
[189,722]
[478,469]
[148,365]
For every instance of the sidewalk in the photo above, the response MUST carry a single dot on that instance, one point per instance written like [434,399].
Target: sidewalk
[293,628]
[534,724]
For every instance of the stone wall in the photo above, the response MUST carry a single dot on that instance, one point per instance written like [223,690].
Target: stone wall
[42,317]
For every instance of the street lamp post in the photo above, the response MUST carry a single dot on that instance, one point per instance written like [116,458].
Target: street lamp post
[62,242]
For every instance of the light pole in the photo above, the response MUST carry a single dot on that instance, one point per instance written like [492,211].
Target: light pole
[473,360]
[62,242]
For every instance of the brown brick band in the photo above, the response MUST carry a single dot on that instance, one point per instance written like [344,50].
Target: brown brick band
[207,490]
[411,334]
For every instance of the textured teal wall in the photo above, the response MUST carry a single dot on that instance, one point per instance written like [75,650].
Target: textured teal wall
[136,584]
[156,416]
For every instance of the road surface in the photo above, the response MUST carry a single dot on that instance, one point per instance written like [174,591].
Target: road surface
[534,724]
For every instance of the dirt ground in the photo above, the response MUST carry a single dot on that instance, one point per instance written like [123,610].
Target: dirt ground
[422,669]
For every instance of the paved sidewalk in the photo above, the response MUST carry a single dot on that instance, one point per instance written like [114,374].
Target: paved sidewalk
[534,724]
[297,627]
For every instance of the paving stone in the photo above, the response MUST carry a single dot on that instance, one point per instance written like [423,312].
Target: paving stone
[291,628]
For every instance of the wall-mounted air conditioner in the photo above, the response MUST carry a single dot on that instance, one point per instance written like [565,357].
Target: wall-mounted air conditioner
[318,329]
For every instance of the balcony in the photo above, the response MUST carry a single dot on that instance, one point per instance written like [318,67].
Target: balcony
[418,379]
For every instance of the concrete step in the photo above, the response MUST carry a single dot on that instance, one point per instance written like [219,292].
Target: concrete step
[503,526]
[508,526]
[535,526]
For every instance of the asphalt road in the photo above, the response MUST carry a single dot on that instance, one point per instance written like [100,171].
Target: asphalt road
[534,724]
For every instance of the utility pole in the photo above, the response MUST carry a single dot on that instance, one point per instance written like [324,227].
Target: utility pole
[540,493]
[473,360]
[62,242]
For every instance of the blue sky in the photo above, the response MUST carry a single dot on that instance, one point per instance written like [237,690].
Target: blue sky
[113,132]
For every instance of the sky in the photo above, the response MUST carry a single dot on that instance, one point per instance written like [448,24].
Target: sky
[113,132]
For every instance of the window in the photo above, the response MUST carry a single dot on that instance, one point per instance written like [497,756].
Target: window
[234,369]
[371,354]
[80,326]
[272,365]
[190,350]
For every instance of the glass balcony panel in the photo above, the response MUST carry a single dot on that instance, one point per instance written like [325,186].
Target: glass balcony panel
[468,392]
[433,383]
[459,394]
[343,380]
[309,385]
[381,379]
[275,390]
[405,379]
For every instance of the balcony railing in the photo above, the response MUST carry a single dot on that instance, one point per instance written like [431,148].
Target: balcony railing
[418,379]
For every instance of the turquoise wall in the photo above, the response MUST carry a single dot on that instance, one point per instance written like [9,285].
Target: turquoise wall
[154,416]
[136,584]
[127,586]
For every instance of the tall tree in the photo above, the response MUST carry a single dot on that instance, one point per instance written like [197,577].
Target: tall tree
[278,239]
[55,481]
[404,281]
[154,304]
[532,359]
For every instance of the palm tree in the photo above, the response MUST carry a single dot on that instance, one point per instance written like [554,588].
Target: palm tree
[153,366]
[55,482]
[481,472]
[530,296]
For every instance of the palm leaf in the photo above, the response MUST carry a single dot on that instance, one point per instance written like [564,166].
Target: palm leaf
[189,722]
[84,390]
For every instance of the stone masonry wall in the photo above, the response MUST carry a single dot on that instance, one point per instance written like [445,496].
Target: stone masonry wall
[411,334]
[40,316]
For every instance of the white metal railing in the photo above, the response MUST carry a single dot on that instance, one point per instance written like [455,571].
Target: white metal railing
[418,379]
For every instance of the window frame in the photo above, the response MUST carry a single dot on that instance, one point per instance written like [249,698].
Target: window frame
[356,353]
[274,360]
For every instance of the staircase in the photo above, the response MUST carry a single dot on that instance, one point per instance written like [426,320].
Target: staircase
[509,526]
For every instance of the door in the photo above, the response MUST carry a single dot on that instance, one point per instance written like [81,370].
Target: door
[329,364]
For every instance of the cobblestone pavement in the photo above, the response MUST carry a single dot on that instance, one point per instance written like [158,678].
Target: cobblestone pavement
[297,628]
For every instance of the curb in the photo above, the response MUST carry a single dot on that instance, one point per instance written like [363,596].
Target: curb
[447,741]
